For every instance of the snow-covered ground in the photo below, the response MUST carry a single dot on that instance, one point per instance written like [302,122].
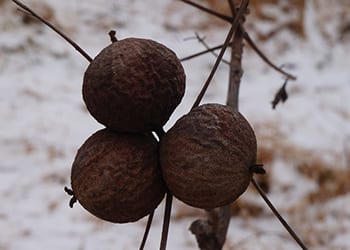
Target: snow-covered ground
[304,143]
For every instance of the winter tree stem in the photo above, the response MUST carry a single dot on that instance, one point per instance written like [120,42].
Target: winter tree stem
[211,232]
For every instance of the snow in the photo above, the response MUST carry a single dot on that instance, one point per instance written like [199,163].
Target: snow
[44,121]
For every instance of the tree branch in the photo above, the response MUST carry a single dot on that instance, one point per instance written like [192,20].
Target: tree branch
[277,214]
[247,37]
[201,40]
[236,70]
[202,52]
[166,221]
[266,59]
[231,32]
[70,41]
[211,232]
[209,11]
[147,229]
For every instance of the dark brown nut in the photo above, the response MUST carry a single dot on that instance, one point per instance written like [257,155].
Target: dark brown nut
[134,85]
[206,156]
[116,176]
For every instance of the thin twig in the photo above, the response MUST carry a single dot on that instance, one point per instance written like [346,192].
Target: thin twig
[202,52]
[265,58]
[209,11]
[233,29]
[277,214]
[247,37]
[201,40]
[254,47]
[147,229]
[166,221]
[232,7]
[168,204]
[70,41]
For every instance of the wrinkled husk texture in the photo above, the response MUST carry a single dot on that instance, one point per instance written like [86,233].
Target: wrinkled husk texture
[206,156]
[134,85]
[116,176]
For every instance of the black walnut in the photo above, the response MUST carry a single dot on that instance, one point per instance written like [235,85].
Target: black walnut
[206,157]
[116,176]
[134,85]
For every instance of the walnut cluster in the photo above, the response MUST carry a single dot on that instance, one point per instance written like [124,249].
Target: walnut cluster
[121,173]
[132,87]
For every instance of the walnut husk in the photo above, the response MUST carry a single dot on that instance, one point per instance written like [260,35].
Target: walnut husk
[206,156]
[134,85]
[116,176]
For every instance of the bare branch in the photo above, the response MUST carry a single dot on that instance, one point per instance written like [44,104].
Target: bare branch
[70,41]
[201,40]
[168,204]
[265,58]
[277,214]
[147,229]
[232,7]
[209,11]
[166,221]
[246,36]
[202,52]
[211,232]
[233,29]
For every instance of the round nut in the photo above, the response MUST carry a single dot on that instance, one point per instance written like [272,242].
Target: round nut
[116,176]
[206,156]
[134,85]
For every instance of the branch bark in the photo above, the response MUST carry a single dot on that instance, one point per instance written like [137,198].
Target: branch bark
[236,70]
[211,232]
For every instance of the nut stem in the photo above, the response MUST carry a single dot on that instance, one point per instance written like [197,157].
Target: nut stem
[112,35]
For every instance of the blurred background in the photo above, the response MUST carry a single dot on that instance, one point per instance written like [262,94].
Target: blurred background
[304,143]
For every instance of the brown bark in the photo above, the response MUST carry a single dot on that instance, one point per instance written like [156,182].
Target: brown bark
[236,70]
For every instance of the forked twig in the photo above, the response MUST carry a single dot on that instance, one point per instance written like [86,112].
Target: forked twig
[277,214]
[232,30]
[201,40]
[247,37]
[201,53]
[208,49]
